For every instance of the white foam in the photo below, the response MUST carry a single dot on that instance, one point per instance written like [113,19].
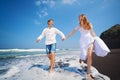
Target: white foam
[35,55]
[12,71]
[23,50]
[30,69]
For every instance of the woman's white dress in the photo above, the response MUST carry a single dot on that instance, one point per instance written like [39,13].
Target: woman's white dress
[86,40]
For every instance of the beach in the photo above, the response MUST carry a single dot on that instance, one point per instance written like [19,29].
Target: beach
[67,67]
[109,65]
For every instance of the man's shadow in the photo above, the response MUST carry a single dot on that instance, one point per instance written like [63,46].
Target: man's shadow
[66,67]
[58,66]
[44,67]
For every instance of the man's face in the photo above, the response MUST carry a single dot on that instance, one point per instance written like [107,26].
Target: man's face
[50,23]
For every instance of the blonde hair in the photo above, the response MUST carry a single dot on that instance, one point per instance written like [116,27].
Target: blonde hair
[86,24]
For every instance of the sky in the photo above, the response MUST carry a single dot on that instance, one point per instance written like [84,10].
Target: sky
[22,21]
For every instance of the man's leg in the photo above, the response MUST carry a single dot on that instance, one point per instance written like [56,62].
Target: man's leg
[49,56]
[52,61]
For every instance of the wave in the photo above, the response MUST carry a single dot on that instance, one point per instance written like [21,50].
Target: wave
[22,56]
[26,50]
[36,55]
[31,50]
[7,57]
[23,53]
[22,50]
[25,56]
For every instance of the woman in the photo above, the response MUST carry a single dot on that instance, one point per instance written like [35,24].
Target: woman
[86,41]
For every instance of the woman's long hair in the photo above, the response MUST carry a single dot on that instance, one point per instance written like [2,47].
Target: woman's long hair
[86,24]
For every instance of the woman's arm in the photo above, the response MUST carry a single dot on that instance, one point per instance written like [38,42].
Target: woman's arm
[92,32]
[71,33]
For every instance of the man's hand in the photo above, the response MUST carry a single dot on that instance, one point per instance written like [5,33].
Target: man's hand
[63,39]
[38,40]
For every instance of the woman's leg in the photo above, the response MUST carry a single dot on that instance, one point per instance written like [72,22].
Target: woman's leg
[89,61]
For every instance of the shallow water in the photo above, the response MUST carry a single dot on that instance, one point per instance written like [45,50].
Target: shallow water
[37,64]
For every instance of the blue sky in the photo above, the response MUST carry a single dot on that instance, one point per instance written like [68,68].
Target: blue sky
[22,21]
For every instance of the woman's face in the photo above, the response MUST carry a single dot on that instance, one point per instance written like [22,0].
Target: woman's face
[50,23]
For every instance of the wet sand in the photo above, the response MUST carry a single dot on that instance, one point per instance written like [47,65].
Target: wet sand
[109,65]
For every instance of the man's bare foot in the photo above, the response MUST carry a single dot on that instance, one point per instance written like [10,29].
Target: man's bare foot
[50,70]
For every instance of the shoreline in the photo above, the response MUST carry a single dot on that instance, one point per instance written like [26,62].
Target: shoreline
[108,65]
[37,66]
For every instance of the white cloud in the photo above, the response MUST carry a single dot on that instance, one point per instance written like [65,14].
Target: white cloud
[44,4]
[70,2]
[52,3]
[42,7]
[42,13]
[44,1]
[37,22]
[39,14]
[104,4]
[45,13]
[37,3]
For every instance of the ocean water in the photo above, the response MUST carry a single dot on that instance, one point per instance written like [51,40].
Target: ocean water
[10,57]
[17,53]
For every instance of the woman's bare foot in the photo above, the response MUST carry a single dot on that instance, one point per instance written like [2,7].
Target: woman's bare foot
[90,77]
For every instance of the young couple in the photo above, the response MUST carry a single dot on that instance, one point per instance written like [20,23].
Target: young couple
[86,41]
